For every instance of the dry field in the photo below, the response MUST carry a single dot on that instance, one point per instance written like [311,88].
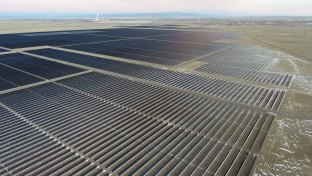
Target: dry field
[287,150]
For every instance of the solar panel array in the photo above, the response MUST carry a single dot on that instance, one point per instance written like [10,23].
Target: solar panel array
[202,37]
[39,67]
[2,50]
[251,95]
[131,142]
[245,63]
[242,57]
[137,33]
[122,118]
[19,70]
[159,52]
[248,74]
[26,40]
[22,41]
[25,150]
[11,78]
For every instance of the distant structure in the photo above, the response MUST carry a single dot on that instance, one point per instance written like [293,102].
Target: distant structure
[98,17]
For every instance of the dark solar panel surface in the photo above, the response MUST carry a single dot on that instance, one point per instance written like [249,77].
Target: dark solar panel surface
[160,27]
[242,57]
[130,142]
[245,63]
[137,33]
[159,52]
[248,74]
[20,70]
[21,41]
[39,67]
[26,150]
[248,94]
[197,37]
[13,78]
[2,50]
[5,84]
[98,124]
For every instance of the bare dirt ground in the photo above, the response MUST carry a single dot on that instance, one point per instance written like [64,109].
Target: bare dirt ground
[287,148]
[293,39]
[22,26]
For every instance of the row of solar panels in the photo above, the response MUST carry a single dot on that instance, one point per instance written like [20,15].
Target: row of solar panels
[95,124]
[27,151]
[18,41]
[242,57]
[245,63]
[2,50]
[74,37]
[138,44]
[217,64]
[247,74]
[202,37]
[243,93]
[128,133]
[22,41]
[19,70]
[159,52]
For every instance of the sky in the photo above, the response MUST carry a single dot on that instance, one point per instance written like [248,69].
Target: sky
[234,7]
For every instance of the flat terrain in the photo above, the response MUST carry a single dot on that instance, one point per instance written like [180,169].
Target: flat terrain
[295,40]
[21,26]
[100,99]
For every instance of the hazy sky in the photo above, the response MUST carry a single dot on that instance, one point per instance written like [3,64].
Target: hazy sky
[238,7]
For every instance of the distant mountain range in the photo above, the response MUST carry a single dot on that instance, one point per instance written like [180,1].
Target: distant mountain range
[156,15]
[105,15]
[88,16]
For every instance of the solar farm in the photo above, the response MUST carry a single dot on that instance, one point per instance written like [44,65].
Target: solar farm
[135,101]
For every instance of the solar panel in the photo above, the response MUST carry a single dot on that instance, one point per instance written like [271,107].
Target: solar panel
[5,84]
[248,74]
[242,57]
[137,33]
[26,150]
[20,41]
[159,52]
[248,94]
[2,50]
[36,66]
[111,117]
[198,37]
[13,78]
[127,141]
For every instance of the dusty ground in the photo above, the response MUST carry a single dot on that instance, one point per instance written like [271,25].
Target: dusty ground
[294,40]
[7,27]
[287,149]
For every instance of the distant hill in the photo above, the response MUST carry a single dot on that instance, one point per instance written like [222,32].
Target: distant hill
[155,15]
[105,15]
[88,16]
[46,16]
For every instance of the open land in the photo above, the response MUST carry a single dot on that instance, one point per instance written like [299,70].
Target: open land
[155,97]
